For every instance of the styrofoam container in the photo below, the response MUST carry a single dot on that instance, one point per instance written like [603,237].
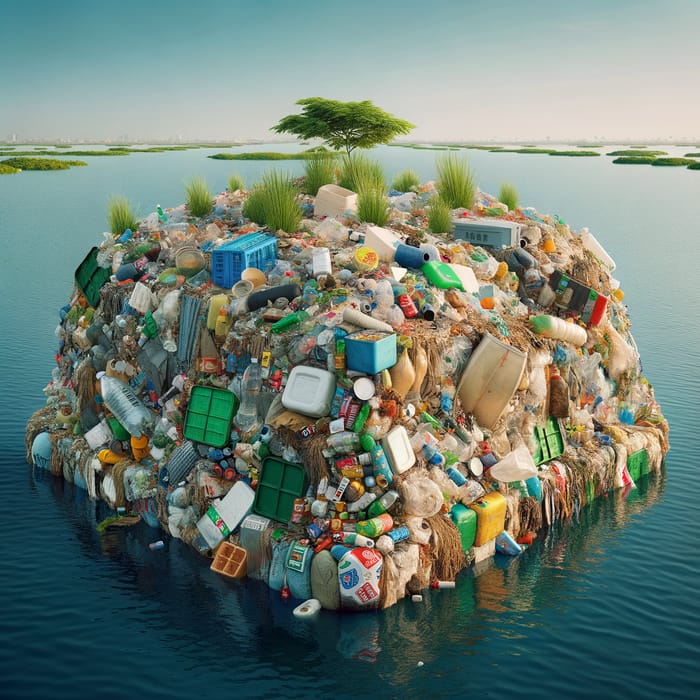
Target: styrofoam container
[397,448]
[382,241]
[309,391]
[333,200]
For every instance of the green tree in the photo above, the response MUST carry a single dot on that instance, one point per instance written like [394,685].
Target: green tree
[343,125]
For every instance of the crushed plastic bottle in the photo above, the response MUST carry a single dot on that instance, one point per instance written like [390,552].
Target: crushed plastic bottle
[247,418]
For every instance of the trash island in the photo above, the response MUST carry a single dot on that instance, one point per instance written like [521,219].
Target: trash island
[350,413]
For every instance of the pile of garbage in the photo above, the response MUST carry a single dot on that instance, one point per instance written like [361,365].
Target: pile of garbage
[349,413]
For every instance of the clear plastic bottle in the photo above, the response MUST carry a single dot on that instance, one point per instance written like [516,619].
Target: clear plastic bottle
[127,408]
[247,417]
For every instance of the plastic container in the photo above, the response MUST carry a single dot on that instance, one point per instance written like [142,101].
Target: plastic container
[559,329]
[189,261]
[571,295]
[370,351]
[279,483]
[126,406]
[638,464]
[382,241]
[491,514]
[398,450]
[333,200]
[209,414]
[250,250]
[410,256]
[488,233]
[517,465]
[550,442]
[254,538]
[309,391]
[90,277]
[247,417]
[230,561]
[215,303]
[321,262]
[592,244]
[359,571]
[490,379]
[180,463]
[465,519]
[442,275]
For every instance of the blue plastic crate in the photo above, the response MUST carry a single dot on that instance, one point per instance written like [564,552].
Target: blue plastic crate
[230,259]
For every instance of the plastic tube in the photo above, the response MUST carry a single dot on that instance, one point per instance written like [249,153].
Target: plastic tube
[357,318]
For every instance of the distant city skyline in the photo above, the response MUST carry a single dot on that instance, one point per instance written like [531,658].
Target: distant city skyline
[602,71]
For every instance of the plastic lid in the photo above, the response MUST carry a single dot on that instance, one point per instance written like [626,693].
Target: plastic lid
[363,387]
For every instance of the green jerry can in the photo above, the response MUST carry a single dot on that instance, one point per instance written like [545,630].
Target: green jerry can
[466,520]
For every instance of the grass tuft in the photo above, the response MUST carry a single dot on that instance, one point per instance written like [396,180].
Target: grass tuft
[198,197]
[508,195]
[253,207]
[120,215]
[439,220]
[358,172]
[280,204]
[235,182]
[672,162]
[406,181]
[456,183]
[372,206]
[319,170]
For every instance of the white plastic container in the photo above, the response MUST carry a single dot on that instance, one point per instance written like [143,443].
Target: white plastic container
[382,241]
[333,200]
[398,450]
[225,515]
[517,465]
[309,391]
[321,262]
[591,242]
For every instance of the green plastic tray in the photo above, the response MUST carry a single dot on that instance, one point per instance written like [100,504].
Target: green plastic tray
[279,484]
[209,415]
[90,277]
[550,440]
[638,464]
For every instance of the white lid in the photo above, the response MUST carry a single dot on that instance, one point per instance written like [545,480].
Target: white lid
[363,387]
[476,466]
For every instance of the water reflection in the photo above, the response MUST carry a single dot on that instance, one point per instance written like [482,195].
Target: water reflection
[197,610]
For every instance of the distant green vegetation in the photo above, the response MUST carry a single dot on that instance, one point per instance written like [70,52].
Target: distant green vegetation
[637,152]
[672,162]
[7,169]
[692,155]
[406,181]
[575,154]
[424,147]
[41,163]
[270,155]
[634,160]
[694,166]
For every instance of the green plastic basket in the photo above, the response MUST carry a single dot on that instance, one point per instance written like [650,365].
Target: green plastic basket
[209,415]
[550,441]
[279,484]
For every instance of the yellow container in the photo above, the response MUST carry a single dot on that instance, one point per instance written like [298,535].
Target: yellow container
[215,304]
[490,516]
[230,560]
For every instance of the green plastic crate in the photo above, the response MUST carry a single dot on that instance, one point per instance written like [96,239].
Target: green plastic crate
[209,415]
[90,277]
[279,483]
[550,441]
[638,464]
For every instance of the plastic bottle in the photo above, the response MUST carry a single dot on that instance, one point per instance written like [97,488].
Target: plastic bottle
[383,503]
[126,406]
[321,262]
[247,418]
[375,526]
[559,329]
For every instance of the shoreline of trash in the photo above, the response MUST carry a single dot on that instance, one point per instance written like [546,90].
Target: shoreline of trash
[350,413]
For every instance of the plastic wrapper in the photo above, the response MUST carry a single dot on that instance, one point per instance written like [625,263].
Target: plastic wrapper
[139,482]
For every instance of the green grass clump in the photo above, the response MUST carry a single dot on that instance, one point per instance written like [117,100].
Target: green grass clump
[279,201]
[634,160]
[456,183]
[508,195]
[406,181]
[692,155]
[358,172]
[672,162]
[235,182]
[319,170]
[439,220]
[198,197]
[637,152]
[373,206]
[120,216]
[254,207]
[7,169]
[41,163]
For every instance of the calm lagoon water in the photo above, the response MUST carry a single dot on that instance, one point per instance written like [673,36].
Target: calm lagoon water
[606,608]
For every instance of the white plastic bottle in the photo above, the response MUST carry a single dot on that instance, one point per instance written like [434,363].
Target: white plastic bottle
[126,406]
[247,418]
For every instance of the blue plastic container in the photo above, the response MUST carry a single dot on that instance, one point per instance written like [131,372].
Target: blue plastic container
[230,259]
[370,351]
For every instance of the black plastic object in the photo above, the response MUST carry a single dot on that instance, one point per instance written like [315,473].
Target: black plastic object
[257,300]
[90,277]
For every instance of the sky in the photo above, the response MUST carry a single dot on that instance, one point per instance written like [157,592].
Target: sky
[460,70]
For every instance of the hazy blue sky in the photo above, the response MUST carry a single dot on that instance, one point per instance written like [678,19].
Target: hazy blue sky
[458,69]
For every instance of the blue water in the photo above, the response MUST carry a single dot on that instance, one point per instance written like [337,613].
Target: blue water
[605,608]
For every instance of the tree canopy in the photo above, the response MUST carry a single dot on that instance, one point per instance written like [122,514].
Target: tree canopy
[343,125]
